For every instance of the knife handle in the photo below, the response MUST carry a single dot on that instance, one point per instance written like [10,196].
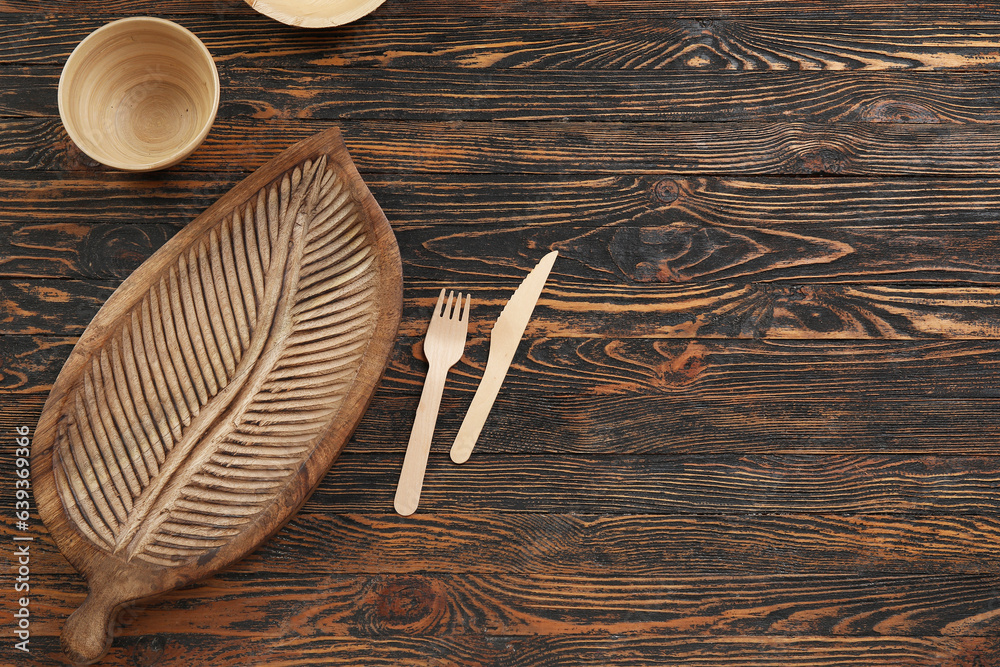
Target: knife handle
[479,410]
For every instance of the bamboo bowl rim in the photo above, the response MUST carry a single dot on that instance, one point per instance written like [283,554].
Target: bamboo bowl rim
[76,127]
[323,13]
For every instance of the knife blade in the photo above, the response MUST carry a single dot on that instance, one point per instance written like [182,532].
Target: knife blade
[504,339]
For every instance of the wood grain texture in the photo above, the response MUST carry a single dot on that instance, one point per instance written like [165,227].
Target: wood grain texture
[641,546]
[561,651]
[661,397]
[791,148]
[965,205]
[571,95]
[678,484]
[638,230]
[597,39]
[457,605]
[754,422]
[948,9]
[726,310]
[786,602]
[714,484]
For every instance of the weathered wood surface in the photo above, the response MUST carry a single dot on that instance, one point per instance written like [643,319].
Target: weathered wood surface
[537,36]
[506,147]
[566,95]
[651,397]
[755,418]
[670,8]
[629,230]
[458,605]
[562,650]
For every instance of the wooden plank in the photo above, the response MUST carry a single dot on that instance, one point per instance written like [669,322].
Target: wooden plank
[787,148]
[574,650]
[570,308]
[543,603]
[568,95]
[646,546]
[74,203]
[674,249]
[787,9]
[421,200]
[652,546]
[594,40]
[671,485]
[667,247]
[960,206]
[572,95]
[685,372]
[594,419]
[456,605]
[631,230]
[333,603]
[734,425]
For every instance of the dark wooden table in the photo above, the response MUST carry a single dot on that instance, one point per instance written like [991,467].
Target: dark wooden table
[754,419]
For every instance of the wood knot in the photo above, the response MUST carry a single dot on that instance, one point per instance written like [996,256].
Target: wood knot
[117,250]
[821,161]
[408,604]
[681,367]
[681,251]
[148,650]
[898,111]
[704,56]
[666,191]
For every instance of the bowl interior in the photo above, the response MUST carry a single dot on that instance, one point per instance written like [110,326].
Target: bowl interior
[315,13]
[139,94]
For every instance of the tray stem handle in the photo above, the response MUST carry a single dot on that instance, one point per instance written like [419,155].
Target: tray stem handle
[89,630]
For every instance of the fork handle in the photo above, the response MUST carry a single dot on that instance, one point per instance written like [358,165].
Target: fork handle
[411,479]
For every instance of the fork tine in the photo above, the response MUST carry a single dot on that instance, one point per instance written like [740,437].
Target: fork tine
[437,307]
[464,315]
[446,313]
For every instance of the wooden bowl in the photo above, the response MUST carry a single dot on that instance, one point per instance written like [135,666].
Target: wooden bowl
[139,94]
[315,13]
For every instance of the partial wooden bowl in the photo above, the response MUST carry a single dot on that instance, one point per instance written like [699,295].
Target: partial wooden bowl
[315,13]
[139,94]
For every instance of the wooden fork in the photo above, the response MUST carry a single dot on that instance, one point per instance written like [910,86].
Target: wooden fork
[443,347]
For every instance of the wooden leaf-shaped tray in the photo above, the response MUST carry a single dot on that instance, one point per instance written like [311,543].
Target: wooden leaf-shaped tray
[215,387]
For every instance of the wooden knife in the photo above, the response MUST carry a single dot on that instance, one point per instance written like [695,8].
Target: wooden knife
[504,339]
